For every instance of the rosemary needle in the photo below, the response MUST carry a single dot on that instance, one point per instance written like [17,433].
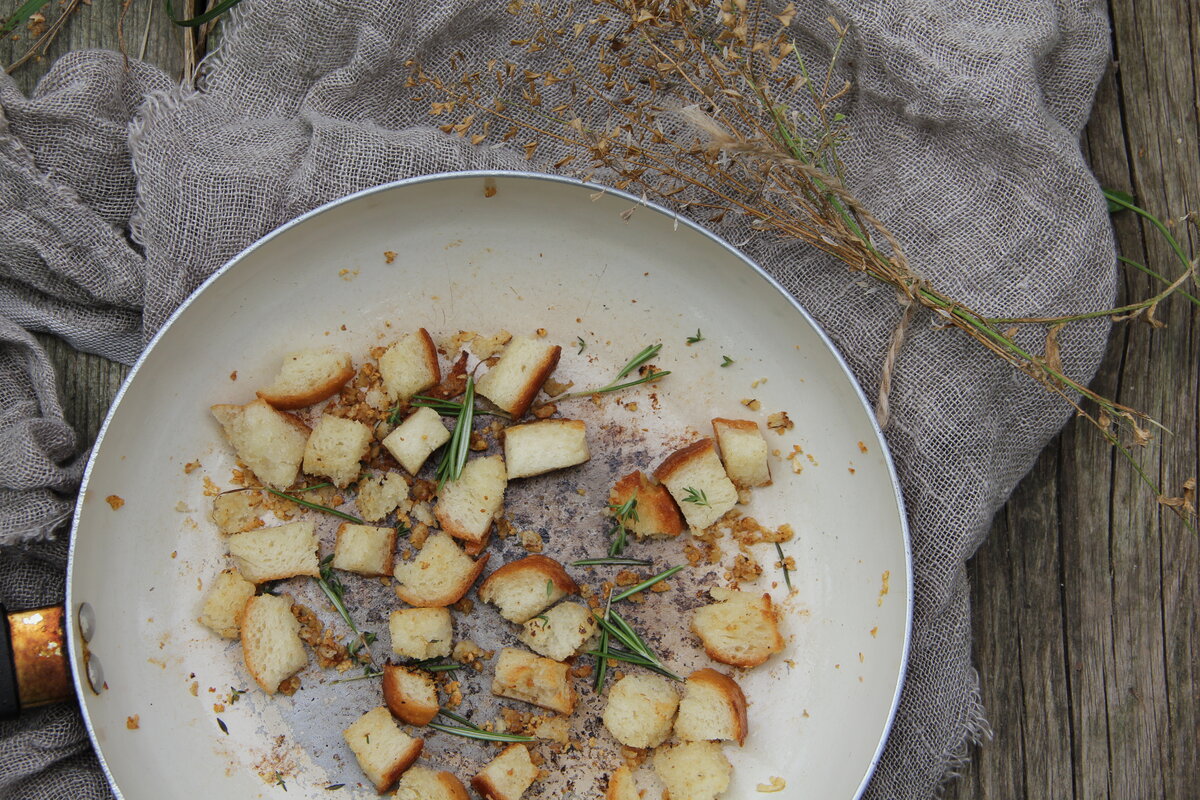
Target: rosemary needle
[641,358]
[476,733]
[612,562]
[315,506]
[646,584]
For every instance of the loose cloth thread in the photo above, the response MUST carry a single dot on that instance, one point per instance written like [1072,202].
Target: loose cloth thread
[120,192]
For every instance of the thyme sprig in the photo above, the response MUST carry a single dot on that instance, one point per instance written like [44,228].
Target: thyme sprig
[634,363]
[455,455]
[335,591]
[315,506]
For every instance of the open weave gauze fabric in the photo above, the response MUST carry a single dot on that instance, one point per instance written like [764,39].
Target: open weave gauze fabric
[120,192]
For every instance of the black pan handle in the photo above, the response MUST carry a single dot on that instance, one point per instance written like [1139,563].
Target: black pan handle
[34,669]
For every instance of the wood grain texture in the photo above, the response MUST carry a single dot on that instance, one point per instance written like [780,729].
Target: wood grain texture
[1085,596]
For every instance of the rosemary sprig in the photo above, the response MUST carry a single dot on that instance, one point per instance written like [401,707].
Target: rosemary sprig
[451,667]
[612,562]
[23,13]
[625,513]
[214,12]
[311,488]
[699,337]
[787,576]
[458,718]
[646,584]
[582,344]
[455,455]
[726,361]
[617,628]
[332,586]
[633,363]
[451,408]
[694,495]
[368,673]
[315,506]
[476,733]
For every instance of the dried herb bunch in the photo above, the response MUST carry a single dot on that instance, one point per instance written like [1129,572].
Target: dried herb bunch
[691,95]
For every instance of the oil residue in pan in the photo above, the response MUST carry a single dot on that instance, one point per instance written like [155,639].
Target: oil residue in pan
[567,509]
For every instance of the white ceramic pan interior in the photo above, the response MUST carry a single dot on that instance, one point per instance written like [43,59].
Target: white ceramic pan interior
[489,252]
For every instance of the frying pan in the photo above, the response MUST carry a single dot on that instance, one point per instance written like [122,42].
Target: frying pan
[605,274]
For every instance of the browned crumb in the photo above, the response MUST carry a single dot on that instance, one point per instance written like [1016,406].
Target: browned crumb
[218,707]
[478,443]
[290,686]
[531,541]
[420,532]
[582,670]
[134,722]
[191,467]
[464,606]
[661,586]
[389,257]
[744,569]
[423,490]
[780,422]
[330,652]
[453,382]
[751,403]
[194,688]
[874,632]
[544,411]
[115,501]
[554,388]
[862,448]
[210,488]
[883,589]
[453,691]
[233,375]
[505,528]
[541,333]
[627,577]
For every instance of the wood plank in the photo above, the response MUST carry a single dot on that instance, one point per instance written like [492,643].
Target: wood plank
[96,26]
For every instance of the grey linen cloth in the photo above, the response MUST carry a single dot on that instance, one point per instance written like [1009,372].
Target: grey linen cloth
[120,192]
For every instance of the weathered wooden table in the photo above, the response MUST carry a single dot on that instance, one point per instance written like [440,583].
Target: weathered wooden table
[1086,595]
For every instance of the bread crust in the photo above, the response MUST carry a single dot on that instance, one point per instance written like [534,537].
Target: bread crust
[403,706]
[484,784]
[534,385]
[410,756]
[776,645]
[452,595]
[315,394]
[732,693]
[621,785]
[656,508]
[748,425]
[549,569]
[683,456]
[453,786]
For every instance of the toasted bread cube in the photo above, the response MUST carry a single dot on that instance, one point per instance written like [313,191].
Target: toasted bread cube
[696,479]
[416,438]
[336,449]
[271,554]
[410,694]
[379,496]
[440,574]
[544,446]
[713,708]
[524,588]
[269,442]
[657,515]
[422,783]
[421,633]
[508,775]
[410,365]
[560,632]
[621,785]
[521,675]
[225,603]
[365,549]
[308,377]
[740,629]
[237,512]
[693,770]
[519,374]
[466,507]
[383,751]
[640,710]
[271,644]
[743,451]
